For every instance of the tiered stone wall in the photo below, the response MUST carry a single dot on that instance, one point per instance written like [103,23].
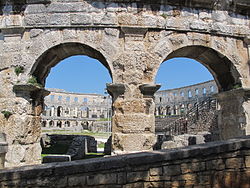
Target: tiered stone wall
[179,100]
[218,164]
[66,110]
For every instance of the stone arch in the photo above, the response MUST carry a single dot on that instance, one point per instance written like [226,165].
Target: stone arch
[219,65]
[57,53]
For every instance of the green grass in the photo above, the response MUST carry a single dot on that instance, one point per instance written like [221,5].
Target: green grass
[93,155]
[87,133]
[101,145]
[44,155]
[104,119]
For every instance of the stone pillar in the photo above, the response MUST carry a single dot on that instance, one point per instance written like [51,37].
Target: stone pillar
[23,130]
[234,113]
[133,119]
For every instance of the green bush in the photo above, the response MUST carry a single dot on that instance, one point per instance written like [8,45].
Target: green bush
[236,86]
[6,114]
[33,81]
[164,16]
[19,70]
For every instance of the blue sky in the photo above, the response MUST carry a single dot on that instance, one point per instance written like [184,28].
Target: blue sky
[86,75]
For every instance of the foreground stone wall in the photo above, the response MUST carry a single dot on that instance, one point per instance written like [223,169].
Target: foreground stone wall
[218,164]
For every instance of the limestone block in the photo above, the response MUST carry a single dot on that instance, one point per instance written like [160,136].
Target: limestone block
[104,19]
[138,176]
[216,164]
[69,34]
[193,167]
[11,20]
[153,184]
[149,20]
[247,161]
[124,143]
[112,32]
[199,25]
[205,15]
[35,32]
[132,123]
[15,155]
[36,19]
[59,19]
[174,22]
[234,163]
[50,39]
[32,153]
[156,171]
[101,179]
[127,19]
[12,47]
[134,185]
[219,16]
[222,28]
[59,7]
[190,179]
[25,129]
[76,180]
[35,9]
[7,80]
[179,39]
[172,144]
[134,106]
[16,105]
[81,19]
[171,170]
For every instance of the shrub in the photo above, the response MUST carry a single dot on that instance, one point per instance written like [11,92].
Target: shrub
[33,81]
[6,114]
[19,70]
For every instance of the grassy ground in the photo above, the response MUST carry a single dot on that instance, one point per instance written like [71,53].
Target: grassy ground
[101,145]
[88,133]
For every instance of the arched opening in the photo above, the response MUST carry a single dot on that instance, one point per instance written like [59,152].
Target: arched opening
[59,111]
[59,124]
[51,123]
[75,65]
[194,94]
[67,124]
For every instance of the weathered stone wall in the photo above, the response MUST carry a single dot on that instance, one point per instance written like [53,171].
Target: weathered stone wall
[131,39]
[219,164]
